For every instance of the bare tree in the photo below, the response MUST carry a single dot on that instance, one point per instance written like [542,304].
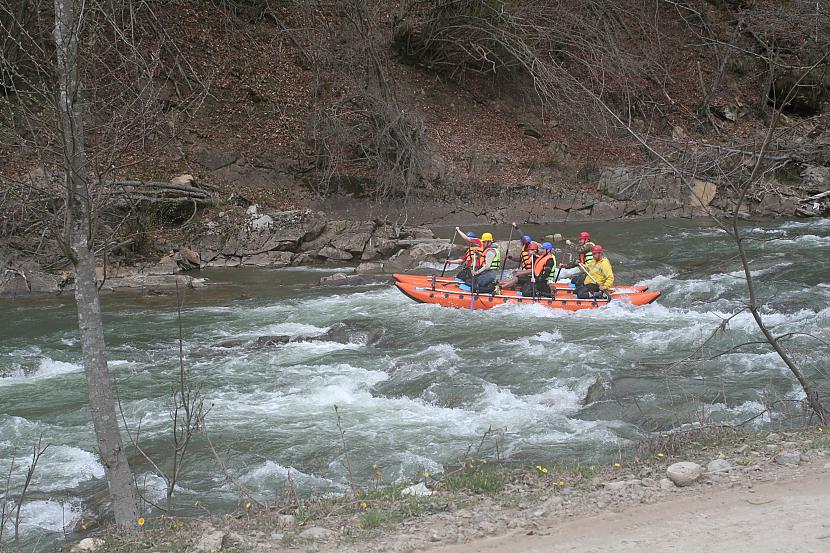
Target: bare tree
[77,237]
[101,94]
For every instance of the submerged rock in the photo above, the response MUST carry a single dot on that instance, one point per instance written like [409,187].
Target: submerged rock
[264,341]
[355,331]
[342,279]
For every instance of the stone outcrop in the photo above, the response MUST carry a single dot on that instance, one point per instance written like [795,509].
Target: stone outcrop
[284,238]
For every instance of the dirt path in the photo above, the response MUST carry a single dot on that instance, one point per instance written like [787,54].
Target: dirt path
[775,517]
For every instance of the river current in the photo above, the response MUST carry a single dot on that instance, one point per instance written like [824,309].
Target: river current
[434,382]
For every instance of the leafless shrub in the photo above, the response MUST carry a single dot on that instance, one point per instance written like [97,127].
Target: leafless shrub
[187,417]
[11,503]
[551,45]
[368,126]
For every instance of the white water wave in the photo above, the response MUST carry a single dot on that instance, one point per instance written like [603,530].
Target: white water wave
[269,475]
[50,515]
[740,274]
[68,466]
[47,368]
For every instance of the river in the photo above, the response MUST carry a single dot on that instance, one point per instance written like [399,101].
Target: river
[433,384]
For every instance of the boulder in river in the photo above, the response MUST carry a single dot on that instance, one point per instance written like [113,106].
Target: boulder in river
[187,259]
[342,279]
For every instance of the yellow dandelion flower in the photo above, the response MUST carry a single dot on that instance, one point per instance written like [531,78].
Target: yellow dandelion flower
[617,465]
[538,467]
[661,455]
[140,521]
[544,470]
[561,482]
[426,474]
[363,505]
[248,505]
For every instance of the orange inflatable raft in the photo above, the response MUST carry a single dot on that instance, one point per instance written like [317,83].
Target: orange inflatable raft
[450,294]
[425,280]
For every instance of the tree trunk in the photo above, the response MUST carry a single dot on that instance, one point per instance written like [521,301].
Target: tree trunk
[78,243]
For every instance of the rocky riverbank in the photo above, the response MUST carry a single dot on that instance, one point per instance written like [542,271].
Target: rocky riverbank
[354,231]
[483,500]
[252,237]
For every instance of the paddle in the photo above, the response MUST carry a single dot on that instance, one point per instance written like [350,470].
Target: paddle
[533,273]
[449,253]
[504,261]
[473,292]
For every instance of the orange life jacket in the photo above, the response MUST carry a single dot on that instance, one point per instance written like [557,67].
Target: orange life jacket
[539,267]
[474,254]
[526,262]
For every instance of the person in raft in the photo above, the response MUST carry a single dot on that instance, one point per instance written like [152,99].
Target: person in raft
[530,252]
[524,255]
[484,277]
[584,250]
[542,278]
[472,256]
[598,278]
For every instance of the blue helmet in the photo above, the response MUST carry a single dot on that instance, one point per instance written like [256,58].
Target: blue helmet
[527,239]
[547,246]
[471,234]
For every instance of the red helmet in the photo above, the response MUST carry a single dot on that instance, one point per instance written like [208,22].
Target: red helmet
[533,246]
[596,249]
[584,235]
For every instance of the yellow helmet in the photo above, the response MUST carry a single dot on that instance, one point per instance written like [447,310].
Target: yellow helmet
[486,237]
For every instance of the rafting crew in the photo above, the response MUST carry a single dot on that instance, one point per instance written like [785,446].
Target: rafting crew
[598,276]
[536,275]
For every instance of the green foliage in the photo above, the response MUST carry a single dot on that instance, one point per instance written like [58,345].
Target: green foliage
[480,479]
[373,519]
[304,516]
